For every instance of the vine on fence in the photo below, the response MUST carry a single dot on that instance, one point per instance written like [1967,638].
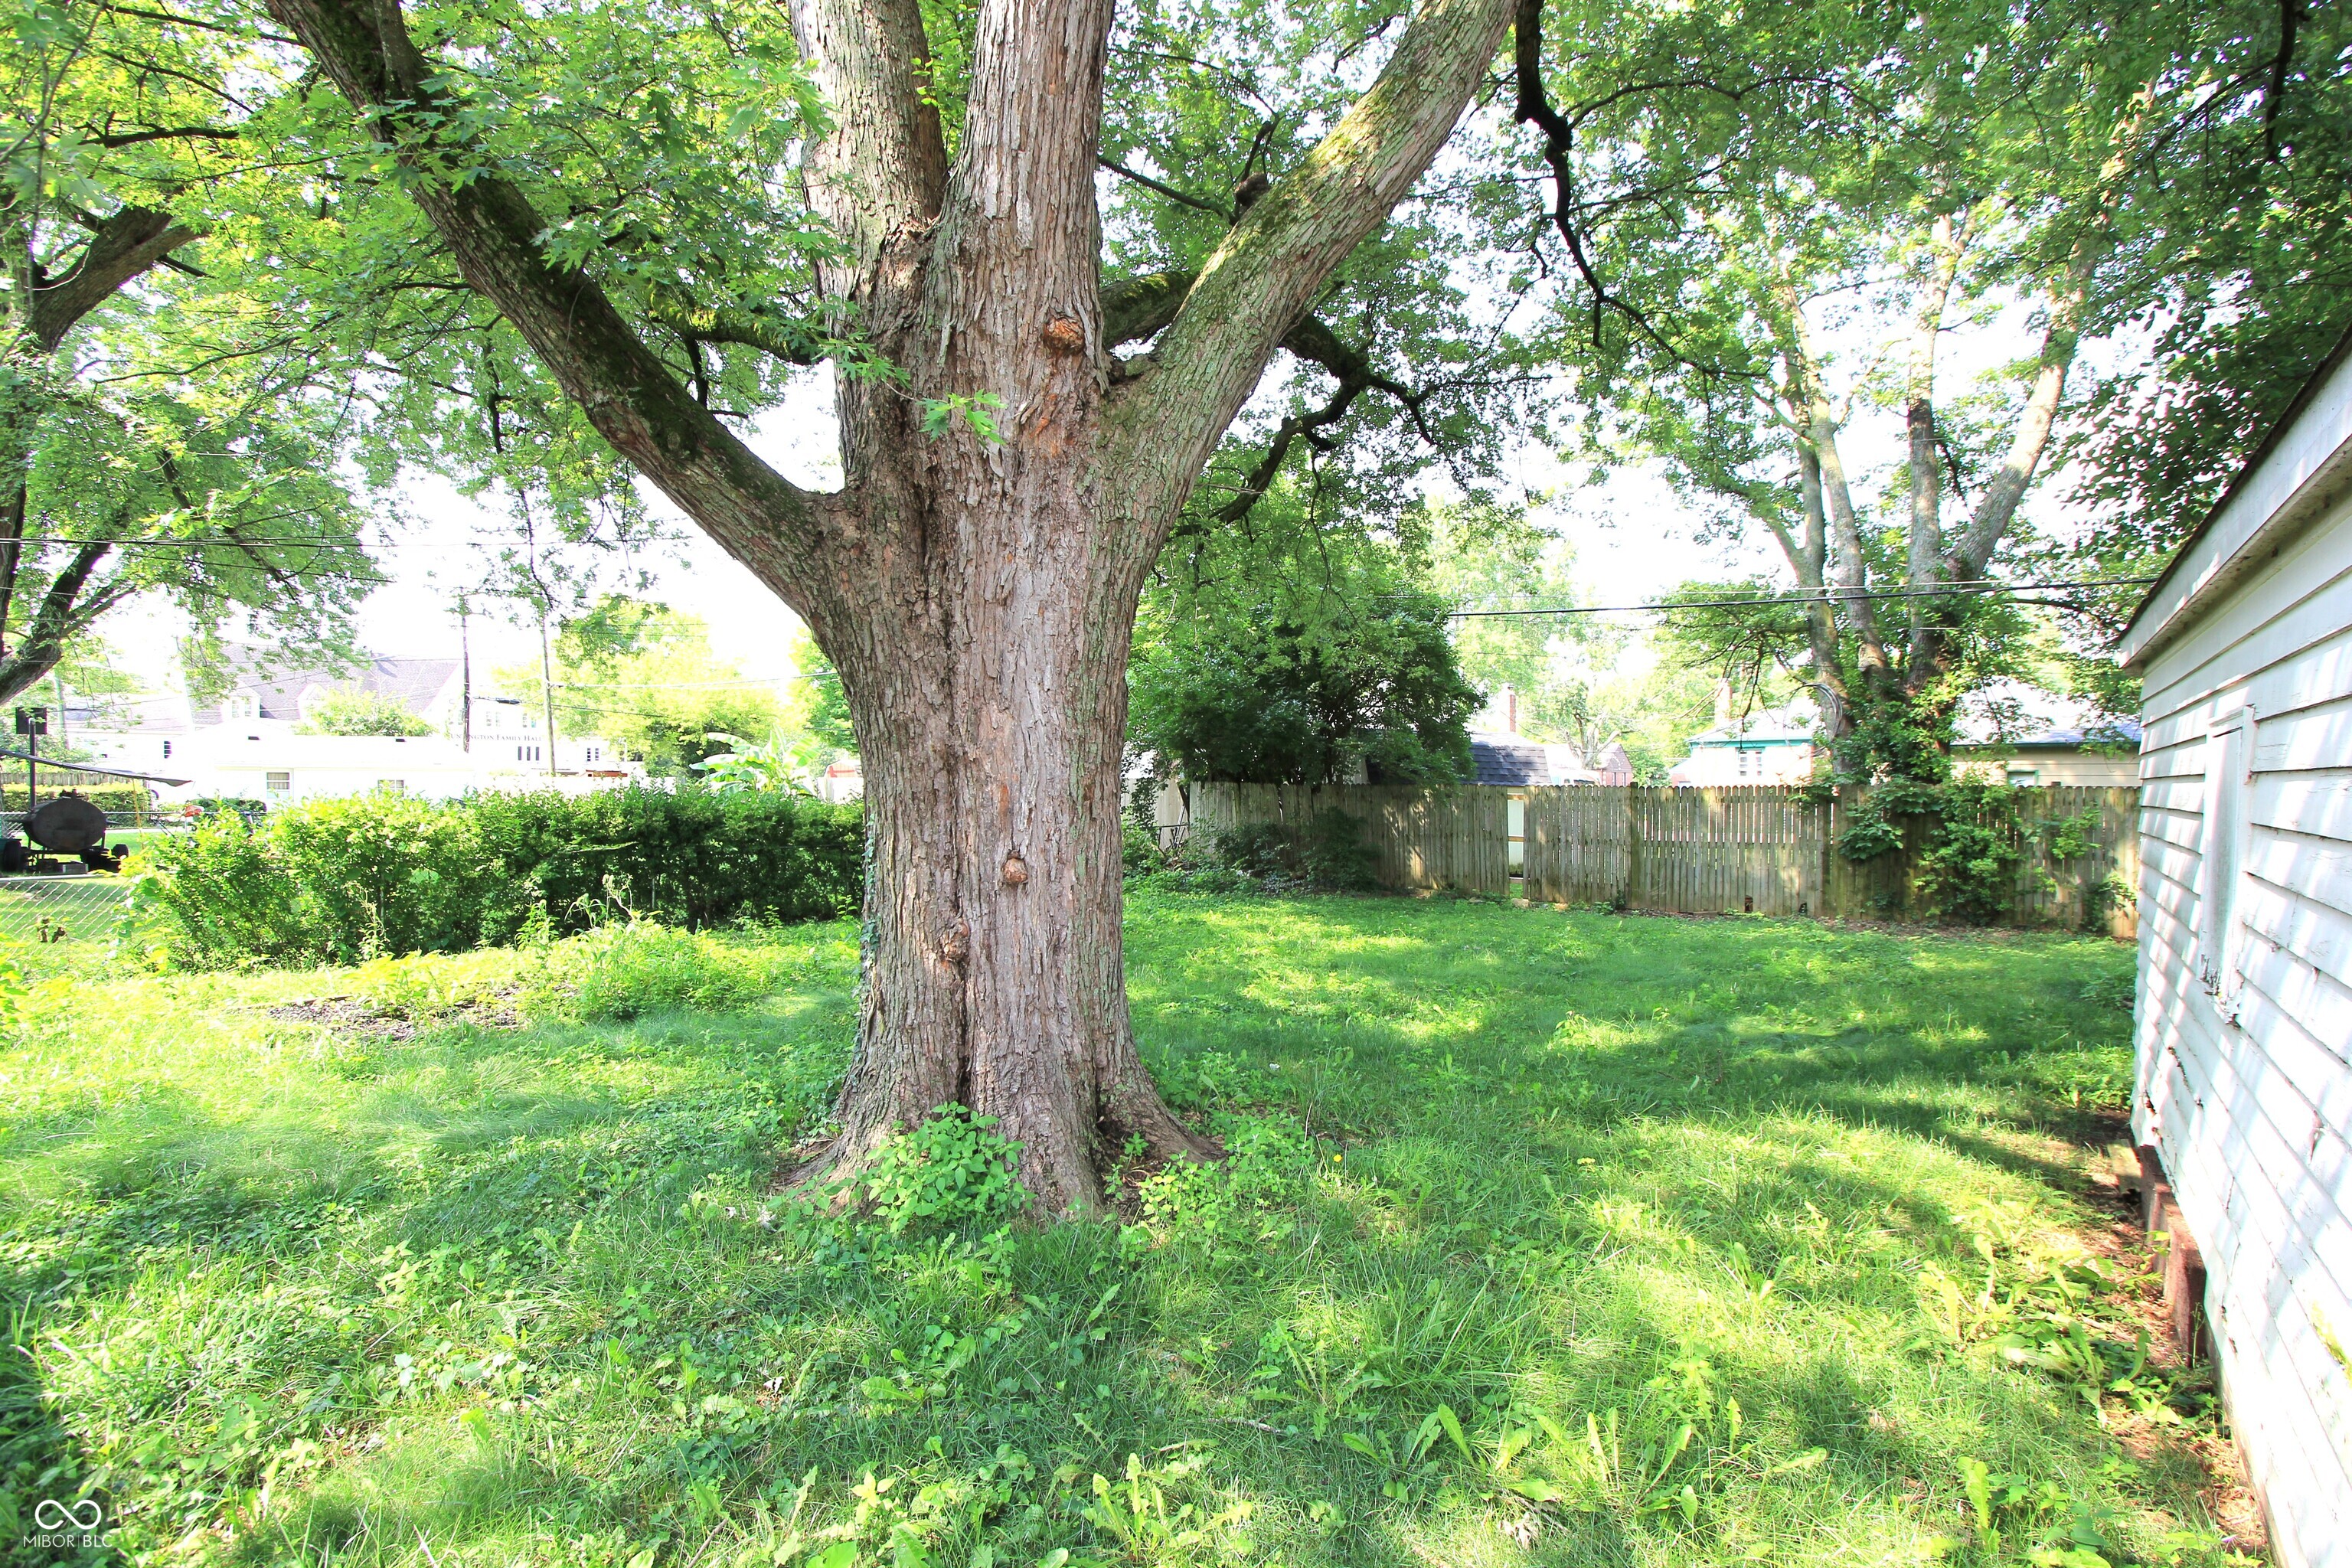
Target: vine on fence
[1968,869]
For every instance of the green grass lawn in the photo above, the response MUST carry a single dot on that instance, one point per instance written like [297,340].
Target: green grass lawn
[1548,1238]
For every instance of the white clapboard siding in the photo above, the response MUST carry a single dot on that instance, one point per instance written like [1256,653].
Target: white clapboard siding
[2245,1090]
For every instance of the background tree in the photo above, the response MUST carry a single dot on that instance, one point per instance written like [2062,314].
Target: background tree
[1009,479]
[1288,649]
[1493,559]
[2237,286]
[1780,220]
[352,713]
[817,714]
[645,677]
[158,435]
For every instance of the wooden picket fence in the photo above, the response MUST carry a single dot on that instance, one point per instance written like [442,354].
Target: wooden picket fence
[1759,850]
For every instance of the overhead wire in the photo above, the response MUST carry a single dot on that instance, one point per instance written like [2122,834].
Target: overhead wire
[1800,597]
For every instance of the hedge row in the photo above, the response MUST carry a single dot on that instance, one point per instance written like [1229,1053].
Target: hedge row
[343,881]
[106,797]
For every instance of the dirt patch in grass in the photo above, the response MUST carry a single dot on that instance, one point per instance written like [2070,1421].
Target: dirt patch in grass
[357,1016]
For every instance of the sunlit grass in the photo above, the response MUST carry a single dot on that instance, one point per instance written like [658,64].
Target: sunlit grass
[437,1291]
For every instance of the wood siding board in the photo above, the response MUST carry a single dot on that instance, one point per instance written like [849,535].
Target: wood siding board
[2295,604]
[2316,867]
[2317,802]
[2315,934]
[2232,1134]
[2312,739]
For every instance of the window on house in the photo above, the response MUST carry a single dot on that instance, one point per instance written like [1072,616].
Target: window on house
[2024,778]
[392,787]
[278,784]
[595,754]
[167,751]
[1752,762]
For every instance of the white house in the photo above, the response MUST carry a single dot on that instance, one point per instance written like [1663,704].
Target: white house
[2244,1010]
[250,744]
[1761,749]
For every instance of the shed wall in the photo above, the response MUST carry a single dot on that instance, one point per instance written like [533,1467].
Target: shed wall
[2244,1035]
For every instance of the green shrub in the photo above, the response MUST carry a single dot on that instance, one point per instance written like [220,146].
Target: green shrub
[951,1170]
[423,986]
[2115,893]
[1139,849]
[346,880]
[1968,868]
[384,873]
[1269,1162]
[1327,852]
[216,895]
[106,797]
[2118,992]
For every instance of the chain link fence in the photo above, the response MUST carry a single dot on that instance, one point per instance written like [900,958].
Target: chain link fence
[46,910]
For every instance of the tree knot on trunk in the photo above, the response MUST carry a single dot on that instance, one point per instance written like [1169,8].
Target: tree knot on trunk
[1016,870]
[955,941]
[1065,336]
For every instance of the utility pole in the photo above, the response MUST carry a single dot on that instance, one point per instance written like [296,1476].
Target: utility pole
[464,678]
[547,687]
[32,723]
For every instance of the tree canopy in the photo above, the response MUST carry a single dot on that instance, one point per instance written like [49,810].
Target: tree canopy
[1287,650]
[645,678]
[166,426]
[1784,223]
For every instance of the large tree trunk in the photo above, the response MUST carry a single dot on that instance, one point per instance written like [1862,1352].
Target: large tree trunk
[977,594]
[993,726]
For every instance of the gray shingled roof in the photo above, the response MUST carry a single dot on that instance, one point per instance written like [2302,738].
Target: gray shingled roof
[1508,762]
[413,681]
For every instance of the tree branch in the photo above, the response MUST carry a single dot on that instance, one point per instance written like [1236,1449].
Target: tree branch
[883,168]
[772,525]
[1135,308]
[167,133]
[778,338]
[1200,204]
[1946,242]
[1311,339]
[1534,107]
[2291,16]
[121,246]
[1259,283]
[1997,505]
[195,22]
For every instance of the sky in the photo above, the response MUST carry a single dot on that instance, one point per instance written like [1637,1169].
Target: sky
[430,551]
[1632,540]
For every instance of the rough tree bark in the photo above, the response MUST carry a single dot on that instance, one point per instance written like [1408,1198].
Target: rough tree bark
[978,597]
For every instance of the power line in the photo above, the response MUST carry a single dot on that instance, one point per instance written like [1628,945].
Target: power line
[667,685]
[222,541]
[296,541]
[1804,596]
